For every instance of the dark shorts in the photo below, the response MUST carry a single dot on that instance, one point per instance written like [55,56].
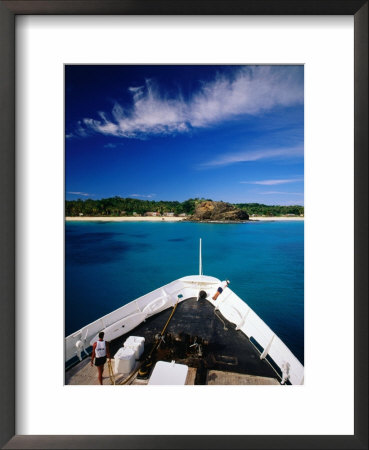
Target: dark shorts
[220,290]
[100,361]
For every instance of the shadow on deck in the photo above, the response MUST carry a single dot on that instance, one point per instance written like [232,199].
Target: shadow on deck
[199,337]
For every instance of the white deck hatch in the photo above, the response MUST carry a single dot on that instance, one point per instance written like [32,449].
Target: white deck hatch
[166,373]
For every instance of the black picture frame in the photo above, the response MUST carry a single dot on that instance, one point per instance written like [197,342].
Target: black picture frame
[8,11]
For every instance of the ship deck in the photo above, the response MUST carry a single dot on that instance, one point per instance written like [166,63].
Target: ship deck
[197,336]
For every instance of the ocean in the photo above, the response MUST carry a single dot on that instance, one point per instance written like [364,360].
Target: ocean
[108,264]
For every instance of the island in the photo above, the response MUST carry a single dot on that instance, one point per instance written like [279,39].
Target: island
[197,209]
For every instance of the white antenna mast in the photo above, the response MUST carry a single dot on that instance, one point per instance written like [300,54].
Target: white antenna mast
[200,259]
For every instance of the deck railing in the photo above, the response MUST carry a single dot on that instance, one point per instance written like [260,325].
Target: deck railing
[265,340]
[232,307]
[79,341]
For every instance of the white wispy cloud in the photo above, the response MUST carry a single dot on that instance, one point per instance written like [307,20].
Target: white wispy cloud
[84,194]
[143,195]
[273,182]
[253,155]
[250,90]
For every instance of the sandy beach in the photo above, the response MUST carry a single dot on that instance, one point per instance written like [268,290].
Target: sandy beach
[125,219]
[169,219]
[275,219]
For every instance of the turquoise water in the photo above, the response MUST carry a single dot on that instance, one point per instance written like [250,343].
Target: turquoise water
[109,264]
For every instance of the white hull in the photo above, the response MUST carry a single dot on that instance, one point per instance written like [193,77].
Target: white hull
[121,327]
[234,309]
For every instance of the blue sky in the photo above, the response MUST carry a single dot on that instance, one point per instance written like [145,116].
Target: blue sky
[231,133]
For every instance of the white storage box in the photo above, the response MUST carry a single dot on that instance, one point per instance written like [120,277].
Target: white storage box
[136,343]
[168,373]
[124,360]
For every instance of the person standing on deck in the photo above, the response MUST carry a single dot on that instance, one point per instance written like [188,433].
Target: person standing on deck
[220,289]
[100,351]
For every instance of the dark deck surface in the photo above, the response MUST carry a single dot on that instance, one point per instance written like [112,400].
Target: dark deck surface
[225,350]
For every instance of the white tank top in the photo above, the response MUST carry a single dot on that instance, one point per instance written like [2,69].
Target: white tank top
[100,350]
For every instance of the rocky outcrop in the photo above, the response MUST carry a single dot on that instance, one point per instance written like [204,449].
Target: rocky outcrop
[209,211]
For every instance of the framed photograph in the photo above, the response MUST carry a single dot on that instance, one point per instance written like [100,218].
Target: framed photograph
[186,150]
[139,116]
